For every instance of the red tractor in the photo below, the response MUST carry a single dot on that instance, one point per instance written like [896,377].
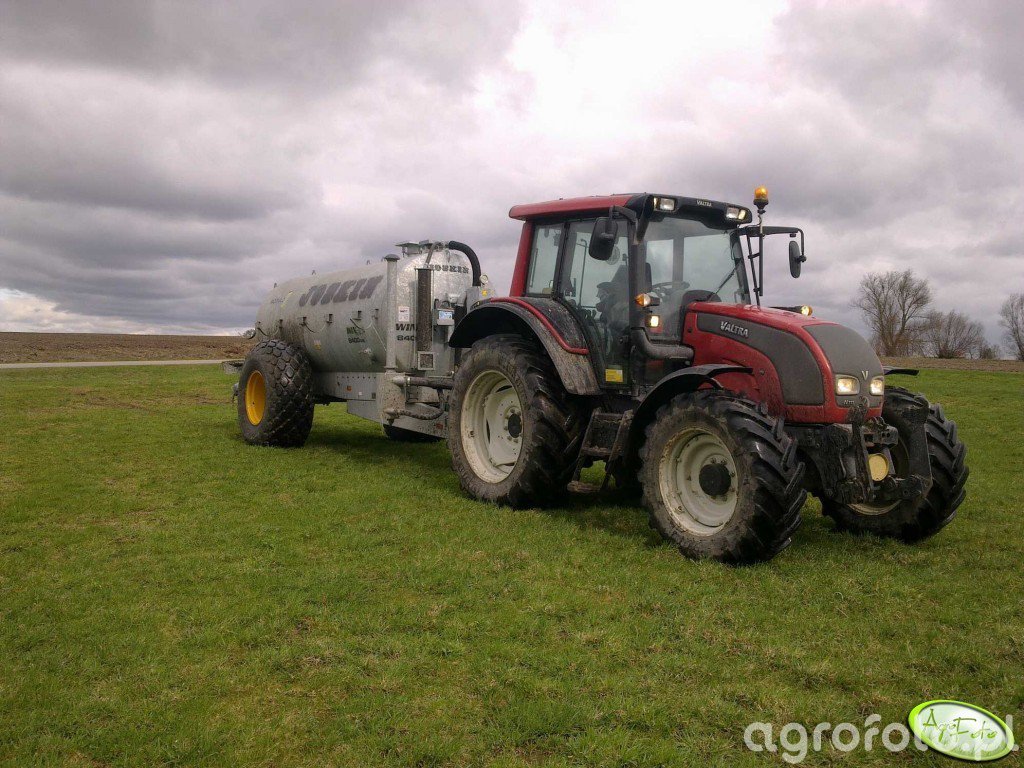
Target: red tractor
[634,335]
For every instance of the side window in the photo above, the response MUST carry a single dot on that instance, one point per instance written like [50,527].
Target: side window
[588,282]
[543,258]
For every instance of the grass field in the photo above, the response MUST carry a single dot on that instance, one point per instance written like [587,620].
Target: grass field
[171,596]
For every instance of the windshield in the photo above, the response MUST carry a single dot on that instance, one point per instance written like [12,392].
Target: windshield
[687,255]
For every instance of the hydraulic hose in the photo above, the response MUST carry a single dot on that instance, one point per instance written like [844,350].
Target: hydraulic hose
[474,262]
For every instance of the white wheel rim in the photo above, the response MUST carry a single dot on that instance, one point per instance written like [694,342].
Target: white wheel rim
[691,507]
[492,426]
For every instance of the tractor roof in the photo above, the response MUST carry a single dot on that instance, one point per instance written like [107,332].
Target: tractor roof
[637,201]
[592,204]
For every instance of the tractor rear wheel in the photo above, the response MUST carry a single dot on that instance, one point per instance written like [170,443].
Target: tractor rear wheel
[513,430]
[275,395]
[912,519]
[721,478]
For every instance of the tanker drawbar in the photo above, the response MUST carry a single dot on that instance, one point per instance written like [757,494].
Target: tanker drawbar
[376,336]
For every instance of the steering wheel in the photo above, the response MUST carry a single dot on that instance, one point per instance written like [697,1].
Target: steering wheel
[662,290]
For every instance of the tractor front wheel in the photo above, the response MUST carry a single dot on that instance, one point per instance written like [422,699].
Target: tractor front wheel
[912,519]
[721,478]
[513,430]
[275,395]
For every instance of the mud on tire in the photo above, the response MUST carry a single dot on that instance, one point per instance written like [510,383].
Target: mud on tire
[283,373]
[914,519]
[551,424]
[766,477]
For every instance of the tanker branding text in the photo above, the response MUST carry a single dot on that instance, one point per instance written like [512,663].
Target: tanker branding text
[339,292]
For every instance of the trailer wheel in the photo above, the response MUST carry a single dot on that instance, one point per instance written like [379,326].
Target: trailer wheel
[513,429]
[400,435]
[721,478]
[275,395]
[913,519]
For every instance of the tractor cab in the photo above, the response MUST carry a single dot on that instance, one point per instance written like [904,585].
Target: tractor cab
[627,267]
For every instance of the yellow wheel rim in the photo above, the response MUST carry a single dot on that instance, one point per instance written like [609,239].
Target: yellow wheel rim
[255,397]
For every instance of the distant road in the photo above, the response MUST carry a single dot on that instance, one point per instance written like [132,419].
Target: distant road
[100,364]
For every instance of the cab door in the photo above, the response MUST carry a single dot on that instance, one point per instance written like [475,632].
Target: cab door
[597,292]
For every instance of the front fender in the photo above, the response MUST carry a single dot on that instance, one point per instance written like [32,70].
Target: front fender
[687,380]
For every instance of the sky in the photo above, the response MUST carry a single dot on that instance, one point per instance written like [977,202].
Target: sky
[163,164]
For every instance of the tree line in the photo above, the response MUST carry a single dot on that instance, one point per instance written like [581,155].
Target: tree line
[897,307]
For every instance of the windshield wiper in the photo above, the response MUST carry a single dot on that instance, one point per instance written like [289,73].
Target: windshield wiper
[728,274]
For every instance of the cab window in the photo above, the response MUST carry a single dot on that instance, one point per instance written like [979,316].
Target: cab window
[543,259]
[588,281]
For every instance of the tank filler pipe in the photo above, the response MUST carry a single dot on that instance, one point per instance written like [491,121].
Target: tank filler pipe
[474,262]
[390,338]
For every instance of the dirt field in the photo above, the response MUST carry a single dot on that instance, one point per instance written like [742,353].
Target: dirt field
[66,347]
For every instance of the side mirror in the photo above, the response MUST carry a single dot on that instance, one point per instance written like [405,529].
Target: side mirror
[602,239]
[795,258]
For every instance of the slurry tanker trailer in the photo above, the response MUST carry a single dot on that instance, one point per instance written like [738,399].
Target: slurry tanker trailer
[633,335]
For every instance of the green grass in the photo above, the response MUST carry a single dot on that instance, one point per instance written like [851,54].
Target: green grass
[169,595]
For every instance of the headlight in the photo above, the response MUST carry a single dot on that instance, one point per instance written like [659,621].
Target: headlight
[847,385]
[877,386]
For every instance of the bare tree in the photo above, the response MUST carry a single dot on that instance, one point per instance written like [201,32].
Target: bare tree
[895,306]
[952,334]
[1011,317]
[988,351]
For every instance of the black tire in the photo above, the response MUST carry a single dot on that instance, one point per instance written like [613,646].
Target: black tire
[766,484]
[286,378]
[551,423]
[914,519]
[400,435]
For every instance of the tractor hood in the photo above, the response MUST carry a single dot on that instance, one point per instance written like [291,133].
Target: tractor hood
[807,354]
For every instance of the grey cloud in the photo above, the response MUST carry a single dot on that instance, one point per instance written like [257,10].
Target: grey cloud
[264,44]
[166,162]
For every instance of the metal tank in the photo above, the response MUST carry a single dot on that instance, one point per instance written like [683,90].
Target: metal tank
[376,336]
[342,319]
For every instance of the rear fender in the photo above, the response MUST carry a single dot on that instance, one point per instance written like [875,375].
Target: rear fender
[505,316]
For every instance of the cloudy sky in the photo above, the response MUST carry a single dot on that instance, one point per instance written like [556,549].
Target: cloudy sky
[162,164]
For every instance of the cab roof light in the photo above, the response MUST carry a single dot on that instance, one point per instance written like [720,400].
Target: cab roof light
[667,204]
[737,214]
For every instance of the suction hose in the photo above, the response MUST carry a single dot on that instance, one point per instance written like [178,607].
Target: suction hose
[474,262]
